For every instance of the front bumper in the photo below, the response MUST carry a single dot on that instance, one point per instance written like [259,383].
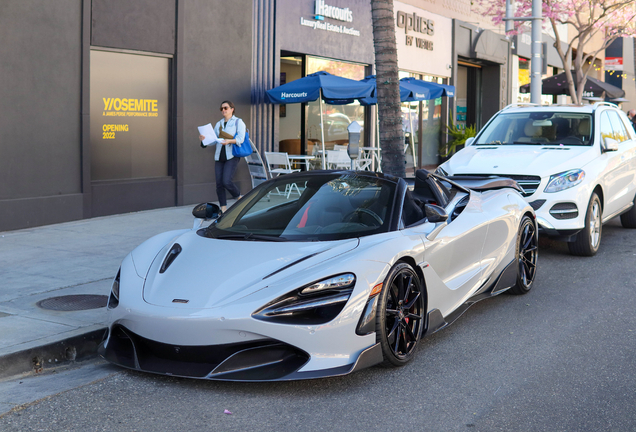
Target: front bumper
[260,360]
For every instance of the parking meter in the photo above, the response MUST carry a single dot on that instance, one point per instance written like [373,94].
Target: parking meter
[353,149]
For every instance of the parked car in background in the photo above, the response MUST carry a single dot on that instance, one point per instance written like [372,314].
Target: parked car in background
[576,165]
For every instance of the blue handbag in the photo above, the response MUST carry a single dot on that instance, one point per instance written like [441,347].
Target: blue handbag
[243,149]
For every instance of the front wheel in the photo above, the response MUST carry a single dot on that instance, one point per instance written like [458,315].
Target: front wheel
[527,254]
[400,317]
[589,239]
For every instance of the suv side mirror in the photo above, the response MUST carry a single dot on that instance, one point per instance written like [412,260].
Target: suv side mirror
[206,211]
[469,141]
[609,144]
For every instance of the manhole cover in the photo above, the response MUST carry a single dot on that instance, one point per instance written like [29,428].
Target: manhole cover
[75,302]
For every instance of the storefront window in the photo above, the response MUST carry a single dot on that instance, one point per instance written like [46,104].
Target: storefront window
[129,116]
[336,117]
[424,118]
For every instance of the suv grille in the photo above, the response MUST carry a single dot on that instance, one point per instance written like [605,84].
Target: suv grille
[529,184]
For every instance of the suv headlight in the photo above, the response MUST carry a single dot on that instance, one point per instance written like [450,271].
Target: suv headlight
[564,180]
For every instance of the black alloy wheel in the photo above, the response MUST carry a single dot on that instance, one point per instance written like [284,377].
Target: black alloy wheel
[527,254]
[400,318]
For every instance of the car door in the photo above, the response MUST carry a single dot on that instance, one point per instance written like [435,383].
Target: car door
[455,253]
[617,176]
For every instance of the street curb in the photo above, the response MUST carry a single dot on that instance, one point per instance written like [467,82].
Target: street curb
[36,359]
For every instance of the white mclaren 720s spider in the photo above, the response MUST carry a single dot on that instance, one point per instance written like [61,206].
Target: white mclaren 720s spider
[317,274]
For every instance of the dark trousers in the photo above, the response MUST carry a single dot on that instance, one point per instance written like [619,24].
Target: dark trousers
[224,172]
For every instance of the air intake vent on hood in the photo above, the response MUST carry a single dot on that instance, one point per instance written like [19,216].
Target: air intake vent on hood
[486,148]
[174,252]
[554,148]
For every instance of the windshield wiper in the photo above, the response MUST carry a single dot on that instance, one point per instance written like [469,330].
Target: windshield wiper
[250,236]
[526,143]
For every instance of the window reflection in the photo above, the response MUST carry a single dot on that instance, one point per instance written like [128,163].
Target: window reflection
[430,113]
[336,117]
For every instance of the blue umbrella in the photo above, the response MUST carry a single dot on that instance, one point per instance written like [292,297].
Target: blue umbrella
[405,92]
[425,90]
[308,89]
[335,90]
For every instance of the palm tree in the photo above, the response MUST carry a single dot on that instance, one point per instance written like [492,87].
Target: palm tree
[388,88]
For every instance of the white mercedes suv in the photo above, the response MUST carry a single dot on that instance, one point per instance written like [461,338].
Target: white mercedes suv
[576,165]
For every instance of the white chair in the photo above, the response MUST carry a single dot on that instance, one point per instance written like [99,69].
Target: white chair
[338,159]
[277,164]
[339,147]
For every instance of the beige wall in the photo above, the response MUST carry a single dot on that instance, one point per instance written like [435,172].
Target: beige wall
[457,9]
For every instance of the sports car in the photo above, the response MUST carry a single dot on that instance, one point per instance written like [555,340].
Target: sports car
[318,274]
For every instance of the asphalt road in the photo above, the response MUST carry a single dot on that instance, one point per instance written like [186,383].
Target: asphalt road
[562,358]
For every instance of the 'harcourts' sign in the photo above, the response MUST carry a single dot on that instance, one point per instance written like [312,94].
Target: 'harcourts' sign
[323,10]
[285,95]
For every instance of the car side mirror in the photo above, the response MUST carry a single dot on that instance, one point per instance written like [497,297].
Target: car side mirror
[207,211]
[435,213]
[469,141]
[609,144]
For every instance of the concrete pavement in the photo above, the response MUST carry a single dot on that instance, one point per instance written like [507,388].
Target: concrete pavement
[72,258]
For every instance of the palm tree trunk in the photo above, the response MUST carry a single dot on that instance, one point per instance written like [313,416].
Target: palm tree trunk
[388,88]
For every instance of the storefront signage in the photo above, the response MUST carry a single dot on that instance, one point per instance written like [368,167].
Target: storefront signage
[323,11]
[422,40]
[122,107]
[414,23]
[614,63]
[128,115]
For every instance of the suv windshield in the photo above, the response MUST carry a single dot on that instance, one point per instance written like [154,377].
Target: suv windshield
[312,207]
[538,127]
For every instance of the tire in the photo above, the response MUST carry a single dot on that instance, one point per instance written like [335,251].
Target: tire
[628,220]
[527,254]
[400,316]
[589,239]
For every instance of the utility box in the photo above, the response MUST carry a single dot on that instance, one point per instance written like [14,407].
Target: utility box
[353,149]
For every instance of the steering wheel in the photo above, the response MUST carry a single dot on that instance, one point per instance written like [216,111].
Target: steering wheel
[364,211]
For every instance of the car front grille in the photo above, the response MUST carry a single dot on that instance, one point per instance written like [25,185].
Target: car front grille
[528,183]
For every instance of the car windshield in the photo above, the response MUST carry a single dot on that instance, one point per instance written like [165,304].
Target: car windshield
[311,207]
[538,128]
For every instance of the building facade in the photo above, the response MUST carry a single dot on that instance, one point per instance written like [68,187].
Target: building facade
[102,98]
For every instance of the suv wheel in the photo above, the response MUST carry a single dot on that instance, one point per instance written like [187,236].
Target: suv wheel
[589,239]
[628,220]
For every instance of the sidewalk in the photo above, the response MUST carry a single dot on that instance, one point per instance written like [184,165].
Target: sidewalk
[72,258]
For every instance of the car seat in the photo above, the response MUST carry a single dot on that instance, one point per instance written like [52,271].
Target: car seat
[533,133]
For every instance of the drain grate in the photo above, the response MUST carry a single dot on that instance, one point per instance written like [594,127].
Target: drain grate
[75,302]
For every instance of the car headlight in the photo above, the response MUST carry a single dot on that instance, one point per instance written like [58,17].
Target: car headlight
[440,171]
[113,299]
[564,180]
[315,303]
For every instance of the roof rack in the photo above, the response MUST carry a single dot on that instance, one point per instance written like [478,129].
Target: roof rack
[597,104]
[514,105]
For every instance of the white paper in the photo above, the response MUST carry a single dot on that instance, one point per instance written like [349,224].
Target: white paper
[208,132]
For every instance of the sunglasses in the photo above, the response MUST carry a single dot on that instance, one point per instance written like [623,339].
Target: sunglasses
[225,108]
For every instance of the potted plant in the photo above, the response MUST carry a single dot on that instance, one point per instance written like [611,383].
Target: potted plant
[457,136]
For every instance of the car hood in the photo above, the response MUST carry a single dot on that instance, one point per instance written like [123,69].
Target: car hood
[518,159]
[209,273]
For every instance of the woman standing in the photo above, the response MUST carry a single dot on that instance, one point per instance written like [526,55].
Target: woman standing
[231,130]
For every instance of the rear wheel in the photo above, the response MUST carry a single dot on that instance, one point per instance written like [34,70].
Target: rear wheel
[527,254]
[628,220]
[400,316]
[589,239]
